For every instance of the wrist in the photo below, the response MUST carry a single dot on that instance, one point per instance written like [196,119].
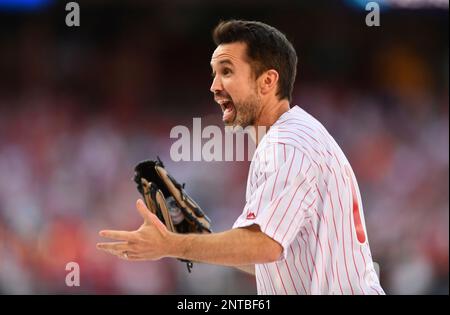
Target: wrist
[176,245]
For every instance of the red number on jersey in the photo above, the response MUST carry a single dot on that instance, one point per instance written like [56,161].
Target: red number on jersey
[359,228]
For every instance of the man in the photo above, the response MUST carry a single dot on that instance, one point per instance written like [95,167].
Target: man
[302,229]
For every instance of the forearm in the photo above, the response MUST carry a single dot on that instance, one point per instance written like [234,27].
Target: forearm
[237,247]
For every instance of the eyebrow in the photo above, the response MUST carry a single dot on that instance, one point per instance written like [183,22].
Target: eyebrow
[223,62]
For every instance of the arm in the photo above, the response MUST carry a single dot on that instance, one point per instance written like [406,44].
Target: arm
[238,247]
[152,241]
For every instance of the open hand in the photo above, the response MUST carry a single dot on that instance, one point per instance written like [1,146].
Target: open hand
[149,242]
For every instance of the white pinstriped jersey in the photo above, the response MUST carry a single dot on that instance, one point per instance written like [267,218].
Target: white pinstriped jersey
[302,192]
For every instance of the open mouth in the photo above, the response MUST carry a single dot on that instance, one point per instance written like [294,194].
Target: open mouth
[228,109]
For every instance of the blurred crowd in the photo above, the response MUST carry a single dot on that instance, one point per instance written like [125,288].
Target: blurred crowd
[67,158]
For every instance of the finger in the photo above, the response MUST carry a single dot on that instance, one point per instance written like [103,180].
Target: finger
[143,210]
[115,246]
[112,252]
[117,235]
[127,257]
[148,216]
[132,257]
[119,253]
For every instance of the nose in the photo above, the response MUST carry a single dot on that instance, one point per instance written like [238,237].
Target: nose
[216,85]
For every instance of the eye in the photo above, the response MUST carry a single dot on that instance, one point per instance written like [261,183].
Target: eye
[226,71]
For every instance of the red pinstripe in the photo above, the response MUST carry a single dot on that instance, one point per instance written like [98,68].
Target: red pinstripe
[290,276]
[329,169]
[353,255]
[270,279]
[300,259]
[343,238]
[251,177]
[332,210]
[317,237]
[337,238]
[289,171]
[258,281]
[296,124]
[298,273]
[265,163]
[329,244]
[340,167]
[307,127]
[319,153]
[281,278]
[290,138]
[307,171]
[301,137]
[290,202]
[339,280]
[306,257]
[312,160]
[365,264]
[312,258]
[353,251]
[274,184]
[301,166]
[258,270]
[260,197]
[306,133]
[320,195]
[273,212]
[296,212]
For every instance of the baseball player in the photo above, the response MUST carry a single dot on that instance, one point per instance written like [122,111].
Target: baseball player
[302,229]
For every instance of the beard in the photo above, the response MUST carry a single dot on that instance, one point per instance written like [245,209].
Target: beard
[246,111]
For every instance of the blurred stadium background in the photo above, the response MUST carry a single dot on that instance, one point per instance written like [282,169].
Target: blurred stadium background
[78,110]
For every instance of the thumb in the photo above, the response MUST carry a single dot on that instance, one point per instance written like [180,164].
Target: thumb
[148,216]
[143,210]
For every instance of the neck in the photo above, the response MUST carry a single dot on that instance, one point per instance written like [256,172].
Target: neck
[269,113]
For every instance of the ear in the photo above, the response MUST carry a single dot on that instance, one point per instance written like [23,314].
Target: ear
[268,81]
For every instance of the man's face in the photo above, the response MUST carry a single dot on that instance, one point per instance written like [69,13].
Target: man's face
[234,86]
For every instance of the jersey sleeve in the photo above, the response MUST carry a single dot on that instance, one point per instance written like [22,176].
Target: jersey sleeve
[283,194]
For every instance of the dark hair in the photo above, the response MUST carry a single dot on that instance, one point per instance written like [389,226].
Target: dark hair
[267,48]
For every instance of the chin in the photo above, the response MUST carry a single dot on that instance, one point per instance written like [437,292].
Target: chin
[230,122]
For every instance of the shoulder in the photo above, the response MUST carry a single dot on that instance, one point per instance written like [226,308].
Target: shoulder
[299,130]
[278,155]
